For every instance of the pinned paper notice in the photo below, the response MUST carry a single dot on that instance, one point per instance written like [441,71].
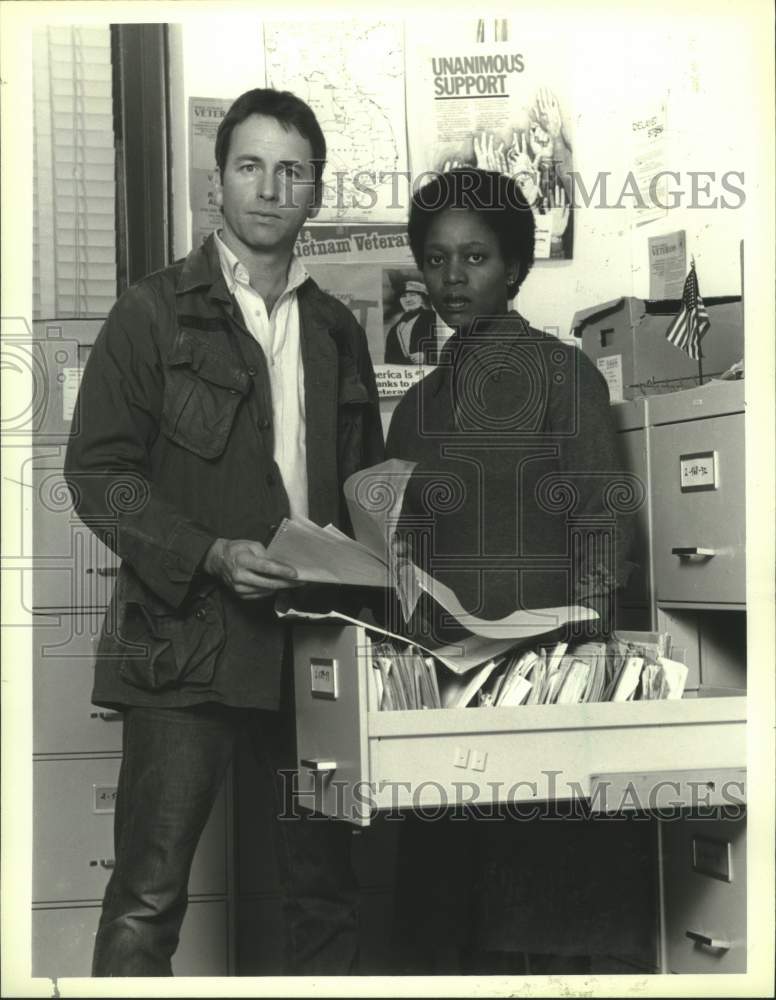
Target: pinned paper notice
[611,369]
[667,265]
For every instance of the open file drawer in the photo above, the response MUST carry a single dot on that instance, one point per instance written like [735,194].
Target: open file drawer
[354,758]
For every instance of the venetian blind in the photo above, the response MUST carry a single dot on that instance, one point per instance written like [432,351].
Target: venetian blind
[74,187]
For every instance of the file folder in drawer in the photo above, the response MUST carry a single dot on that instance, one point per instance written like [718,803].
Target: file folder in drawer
[354,759]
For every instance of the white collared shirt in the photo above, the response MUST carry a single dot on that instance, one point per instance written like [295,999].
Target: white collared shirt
[278,337]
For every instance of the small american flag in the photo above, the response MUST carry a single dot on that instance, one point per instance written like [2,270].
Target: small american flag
[689,326]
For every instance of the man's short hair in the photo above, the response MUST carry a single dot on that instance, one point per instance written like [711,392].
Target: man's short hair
[290,110]
[496,199]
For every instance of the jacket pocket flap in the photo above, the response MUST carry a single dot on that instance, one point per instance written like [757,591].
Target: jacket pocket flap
[181,647]
[191,351]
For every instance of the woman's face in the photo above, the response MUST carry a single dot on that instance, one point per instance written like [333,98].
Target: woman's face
[411,300]
[464,270]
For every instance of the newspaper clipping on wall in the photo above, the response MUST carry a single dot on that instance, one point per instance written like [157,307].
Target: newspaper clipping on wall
[205,114]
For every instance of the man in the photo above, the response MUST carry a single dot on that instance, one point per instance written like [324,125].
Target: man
[224,393]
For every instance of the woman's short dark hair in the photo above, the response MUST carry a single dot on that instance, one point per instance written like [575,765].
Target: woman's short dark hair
[496,198]
[285,107]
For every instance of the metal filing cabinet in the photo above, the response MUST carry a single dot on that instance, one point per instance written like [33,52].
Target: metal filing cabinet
[352,756]
[77,750]
[73,800]
[73,567]
[704,879]
[62,676]
[699,554]
[699,551]
[63,940]
[697,446]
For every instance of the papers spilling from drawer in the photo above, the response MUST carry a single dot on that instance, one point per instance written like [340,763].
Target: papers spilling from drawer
[564,675]
[505,672]
[461,656]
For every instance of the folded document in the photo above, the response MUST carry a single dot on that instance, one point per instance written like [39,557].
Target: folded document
[374,497]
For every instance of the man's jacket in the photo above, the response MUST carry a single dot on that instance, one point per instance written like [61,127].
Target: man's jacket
[172,447]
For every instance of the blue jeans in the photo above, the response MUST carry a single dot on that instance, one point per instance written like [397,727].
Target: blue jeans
[173,764]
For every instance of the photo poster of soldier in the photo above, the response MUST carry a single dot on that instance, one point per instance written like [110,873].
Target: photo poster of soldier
[413,333]
[362,288]
[205,114]
[499,106]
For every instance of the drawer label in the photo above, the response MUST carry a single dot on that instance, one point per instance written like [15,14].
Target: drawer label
[698,471]
[104,798]
[323,679]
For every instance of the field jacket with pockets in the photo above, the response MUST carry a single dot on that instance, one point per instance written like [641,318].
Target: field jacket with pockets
[172,447]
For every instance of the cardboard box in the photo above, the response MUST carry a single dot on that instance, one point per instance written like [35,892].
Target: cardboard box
[625,338]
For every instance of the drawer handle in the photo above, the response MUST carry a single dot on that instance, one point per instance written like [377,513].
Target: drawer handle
[104,863]
[107,716]
[690,551]
[318,765]
[709,942]
[103,571]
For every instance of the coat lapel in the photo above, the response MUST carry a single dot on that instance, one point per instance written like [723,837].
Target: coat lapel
[320,360]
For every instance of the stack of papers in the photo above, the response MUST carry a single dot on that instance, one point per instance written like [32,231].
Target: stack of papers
[515,687]
[644,675]
[405,679]
[458,692]
[326,555]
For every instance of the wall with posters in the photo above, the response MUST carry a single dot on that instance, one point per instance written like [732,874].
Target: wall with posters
[634,100]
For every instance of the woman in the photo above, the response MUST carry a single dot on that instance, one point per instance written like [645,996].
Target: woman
[510,506]
[412,338]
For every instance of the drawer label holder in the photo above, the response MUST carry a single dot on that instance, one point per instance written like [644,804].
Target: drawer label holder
[698,471]
[712,857]
[324,680]
[104,798]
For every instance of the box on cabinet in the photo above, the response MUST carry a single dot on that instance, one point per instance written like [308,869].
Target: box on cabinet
[625,338]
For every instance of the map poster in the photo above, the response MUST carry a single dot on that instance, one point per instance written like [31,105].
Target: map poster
[205,114]
[499,106]
[351,73]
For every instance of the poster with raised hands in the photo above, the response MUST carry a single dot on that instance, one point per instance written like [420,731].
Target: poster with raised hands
[499,106]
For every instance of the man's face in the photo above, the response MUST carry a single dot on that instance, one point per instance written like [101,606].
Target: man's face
[267,190]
